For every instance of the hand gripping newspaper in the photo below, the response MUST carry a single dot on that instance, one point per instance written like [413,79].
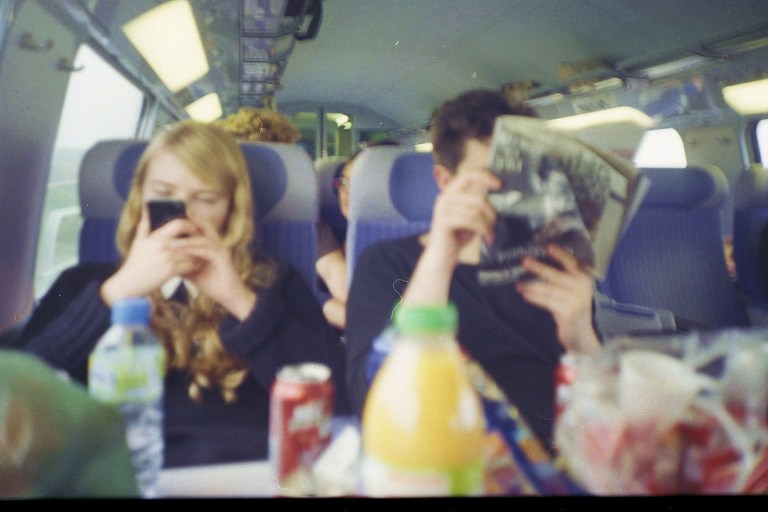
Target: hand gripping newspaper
[556,188]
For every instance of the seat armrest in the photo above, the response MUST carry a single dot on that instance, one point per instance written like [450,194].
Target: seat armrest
[614,318]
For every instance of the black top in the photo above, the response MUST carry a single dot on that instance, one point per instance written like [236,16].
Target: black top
[326,243]
[513,340]
[287,326]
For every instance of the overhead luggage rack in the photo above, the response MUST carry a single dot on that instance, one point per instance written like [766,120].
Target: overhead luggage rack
[269,30]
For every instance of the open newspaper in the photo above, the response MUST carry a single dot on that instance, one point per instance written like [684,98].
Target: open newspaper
[556,188]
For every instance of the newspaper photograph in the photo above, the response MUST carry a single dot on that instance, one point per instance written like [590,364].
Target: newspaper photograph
[555,189]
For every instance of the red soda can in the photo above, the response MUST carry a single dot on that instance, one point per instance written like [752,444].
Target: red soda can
[565,376]
[300,414]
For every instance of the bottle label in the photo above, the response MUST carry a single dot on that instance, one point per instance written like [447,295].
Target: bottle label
[128,374]
[389,480]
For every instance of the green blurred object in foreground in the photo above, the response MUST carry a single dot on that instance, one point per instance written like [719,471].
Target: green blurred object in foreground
[55,440]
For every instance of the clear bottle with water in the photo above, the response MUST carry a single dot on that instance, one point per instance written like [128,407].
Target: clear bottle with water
[380,349]
[127,368]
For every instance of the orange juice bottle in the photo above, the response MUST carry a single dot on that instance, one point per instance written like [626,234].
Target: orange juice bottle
[423,425]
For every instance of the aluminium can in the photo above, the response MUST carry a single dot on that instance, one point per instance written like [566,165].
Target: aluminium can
[565,376]
[300,415]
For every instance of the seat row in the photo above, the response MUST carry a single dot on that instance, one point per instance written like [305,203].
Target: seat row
[668,271]
[669,268]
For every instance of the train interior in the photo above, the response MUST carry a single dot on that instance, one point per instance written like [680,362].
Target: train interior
[677,88]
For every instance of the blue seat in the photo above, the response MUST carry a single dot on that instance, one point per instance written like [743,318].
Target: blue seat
[750,216]
[287,204]
[672,256]
[284,189]
[105,175]
[327,169]
[392,192]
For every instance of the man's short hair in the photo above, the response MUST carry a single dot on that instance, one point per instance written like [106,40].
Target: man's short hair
[471,115]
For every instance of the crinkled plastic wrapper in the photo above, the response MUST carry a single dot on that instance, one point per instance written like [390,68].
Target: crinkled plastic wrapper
[55,440]
[667,415]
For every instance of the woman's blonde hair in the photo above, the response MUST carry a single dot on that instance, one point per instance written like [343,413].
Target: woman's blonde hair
[190,332]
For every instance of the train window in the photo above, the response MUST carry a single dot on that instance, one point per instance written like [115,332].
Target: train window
[99,104]
[761,135]
[661,148]
[333,138]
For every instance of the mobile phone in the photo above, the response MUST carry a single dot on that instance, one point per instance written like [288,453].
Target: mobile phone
[164,210]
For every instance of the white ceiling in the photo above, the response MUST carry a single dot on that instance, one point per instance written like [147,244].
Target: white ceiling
[393,61]
[401,58]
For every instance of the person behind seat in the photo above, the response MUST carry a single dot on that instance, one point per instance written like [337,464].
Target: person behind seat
[251,125]
[331,262]
[259,124]
[234,321]
[517,332]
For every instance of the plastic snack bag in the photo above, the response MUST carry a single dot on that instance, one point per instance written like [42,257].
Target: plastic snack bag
[666,415]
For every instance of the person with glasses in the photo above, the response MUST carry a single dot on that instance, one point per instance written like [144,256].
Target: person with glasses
[331,264]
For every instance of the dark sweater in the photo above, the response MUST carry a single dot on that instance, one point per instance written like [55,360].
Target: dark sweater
[286,327]
[513,340]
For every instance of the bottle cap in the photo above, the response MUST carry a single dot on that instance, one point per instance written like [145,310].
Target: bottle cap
[427,318]
[131,311]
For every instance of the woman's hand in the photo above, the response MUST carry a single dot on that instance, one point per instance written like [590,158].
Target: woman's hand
[567,294]
[152,260]
[216,275]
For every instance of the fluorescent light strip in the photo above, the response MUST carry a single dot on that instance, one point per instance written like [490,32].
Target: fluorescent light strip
[602,118]
[169,40]
[747,98]
[619,129]
[206,109]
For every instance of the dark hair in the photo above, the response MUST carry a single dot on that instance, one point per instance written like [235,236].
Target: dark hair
[471,115]
[337,177]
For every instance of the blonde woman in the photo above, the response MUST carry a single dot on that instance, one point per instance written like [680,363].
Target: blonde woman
[228,319]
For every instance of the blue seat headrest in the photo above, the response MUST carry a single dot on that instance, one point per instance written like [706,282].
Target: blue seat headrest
[412,188]
[125,167]
[267,192]
[685,188]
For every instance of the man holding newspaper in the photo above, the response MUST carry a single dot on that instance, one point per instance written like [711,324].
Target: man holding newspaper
[517,329]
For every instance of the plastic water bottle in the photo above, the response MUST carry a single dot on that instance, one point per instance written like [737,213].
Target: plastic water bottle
[127,368]
[380,349]
[423,426]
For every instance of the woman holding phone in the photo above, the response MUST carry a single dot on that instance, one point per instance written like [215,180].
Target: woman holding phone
[228,318]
